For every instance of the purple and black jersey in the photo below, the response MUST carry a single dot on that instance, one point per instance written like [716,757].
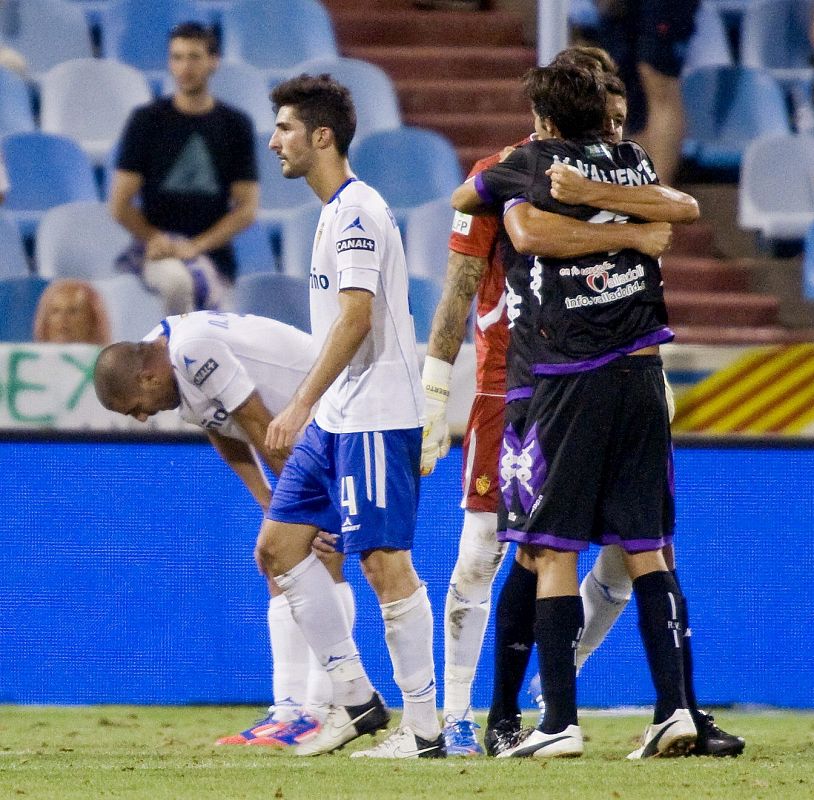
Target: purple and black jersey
[572,315]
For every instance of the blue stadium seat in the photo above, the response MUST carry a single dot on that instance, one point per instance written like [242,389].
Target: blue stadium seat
[242,86]
[408,166]
[726,108]
[424,294]
[90,100]
[45,32]
[45,170]
[79,240]
[271,294]
[775,195]
[709,45]
[377,105]
[133,309]
[18,305]
[13,263]
[15,104]
[277,34]
[808,264]
[135,32]
[295,236]
[426,238]
[253,250]
[276,191]
[774,36]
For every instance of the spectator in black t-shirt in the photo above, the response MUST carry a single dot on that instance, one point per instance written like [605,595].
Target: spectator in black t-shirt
[190,161]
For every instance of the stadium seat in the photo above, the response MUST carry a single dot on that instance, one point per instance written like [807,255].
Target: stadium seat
[18,305]
[90,100]
[15,104]
[295,238]
[133,309]
[426,238]
[79,240]
[45,32]
[242,86]
[277,34]
[709,45]
[45,170]
[775,194]
[253,250]
[13,263]
[408,166]
[774,36]
[377,105]
[271,294]
[726,108]
[135,32]
[424,294]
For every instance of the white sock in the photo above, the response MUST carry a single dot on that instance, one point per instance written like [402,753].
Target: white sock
[289,655]
[319,695]
[408,633]
[317,608]
[466,613]
[605,592]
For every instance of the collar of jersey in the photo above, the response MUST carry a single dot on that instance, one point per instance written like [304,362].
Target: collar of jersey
[339,190]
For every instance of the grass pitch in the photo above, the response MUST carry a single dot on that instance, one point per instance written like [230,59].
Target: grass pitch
[167,753]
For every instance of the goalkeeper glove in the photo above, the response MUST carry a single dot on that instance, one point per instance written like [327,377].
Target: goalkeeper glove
[436,378]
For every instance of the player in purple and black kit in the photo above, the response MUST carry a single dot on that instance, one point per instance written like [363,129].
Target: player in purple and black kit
[586,453]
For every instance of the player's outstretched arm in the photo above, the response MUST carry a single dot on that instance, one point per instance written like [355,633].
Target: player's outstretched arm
[652,202]
[541,233]
[344,338]
[241,458]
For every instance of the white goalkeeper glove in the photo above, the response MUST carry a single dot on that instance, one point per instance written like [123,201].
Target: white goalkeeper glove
[436,379]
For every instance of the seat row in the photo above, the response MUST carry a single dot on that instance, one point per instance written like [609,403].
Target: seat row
[270,34]
[133,310]
[81,240]
[90,99]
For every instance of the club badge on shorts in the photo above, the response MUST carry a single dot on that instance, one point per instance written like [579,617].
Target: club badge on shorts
[482,485]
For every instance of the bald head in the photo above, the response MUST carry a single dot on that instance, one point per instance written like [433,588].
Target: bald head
[135,378]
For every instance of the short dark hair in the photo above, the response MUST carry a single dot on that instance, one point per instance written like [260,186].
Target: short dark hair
[319,101]
[572,97]
[587,56]
[615,85]
[197,32]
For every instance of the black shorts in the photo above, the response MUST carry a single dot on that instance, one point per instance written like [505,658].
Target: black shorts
[588,458]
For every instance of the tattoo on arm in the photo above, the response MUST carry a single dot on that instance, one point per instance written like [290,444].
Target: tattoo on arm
[464,274]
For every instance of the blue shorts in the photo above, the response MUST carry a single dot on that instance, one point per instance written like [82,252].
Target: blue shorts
[362,486]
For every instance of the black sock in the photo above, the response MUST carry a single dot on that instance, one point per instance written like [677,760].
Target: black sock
[557,629]
[659,601]
[514,638]
[686,649]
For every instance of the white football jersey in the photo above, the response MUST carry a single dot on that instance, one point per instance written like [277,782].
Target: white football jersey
[220,359]
[358,246]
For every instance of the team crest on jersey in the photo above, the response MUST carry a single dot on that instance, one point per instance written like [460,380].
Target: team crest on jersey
[355,244]
[319,233]
[210,365]
[482,484]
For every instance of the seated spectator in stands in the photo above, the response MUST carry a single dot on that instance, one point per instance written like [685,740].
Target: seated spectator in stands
[648,39]
[71,311]
[186,181]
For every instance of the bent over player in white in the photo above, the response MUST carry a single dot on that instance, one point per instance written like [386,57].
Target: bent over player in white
[356,468]
[230,375]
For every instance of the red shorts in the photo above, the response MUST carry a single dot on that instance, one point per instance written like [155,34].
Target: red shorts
[481,451]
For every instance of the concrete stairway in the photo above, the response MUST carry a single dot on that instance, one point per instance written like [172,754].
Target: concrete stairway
[456,72]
